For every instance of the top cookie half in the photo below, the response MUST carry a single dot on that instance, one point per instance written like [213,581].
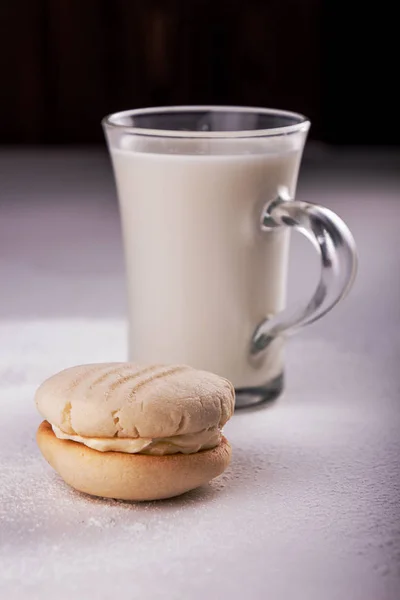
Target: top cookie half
[129,400]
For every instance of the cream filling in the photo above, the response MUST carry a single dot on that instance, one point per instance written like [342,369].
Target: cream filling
[188,443]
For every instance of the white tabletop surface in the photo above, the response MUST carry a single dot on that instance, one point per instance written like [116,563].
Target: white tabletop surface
[309,508]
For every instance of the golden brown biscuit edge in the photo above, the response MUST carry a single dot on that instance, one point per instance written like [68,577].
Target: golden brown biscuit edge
[135,477]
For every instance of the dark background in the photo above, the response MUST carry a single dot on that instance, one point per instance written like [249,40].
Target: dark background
[67,63]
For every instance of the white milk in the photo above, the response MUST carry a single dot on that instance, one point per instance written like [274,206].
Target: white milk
[201,273]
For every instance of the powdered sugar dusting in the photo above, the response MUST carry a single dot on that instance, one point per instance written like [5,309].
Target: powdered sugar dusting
[305,474]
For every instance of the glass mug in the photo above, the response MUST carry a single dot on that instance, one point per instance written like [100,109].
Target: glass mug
[206,198]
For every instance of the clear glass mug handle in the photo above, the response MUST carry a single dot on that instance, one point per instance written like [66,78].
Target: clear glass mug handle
[335,244]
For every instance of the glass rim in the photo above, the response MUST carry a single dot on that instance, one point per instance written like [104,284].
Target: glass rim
[302,124]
